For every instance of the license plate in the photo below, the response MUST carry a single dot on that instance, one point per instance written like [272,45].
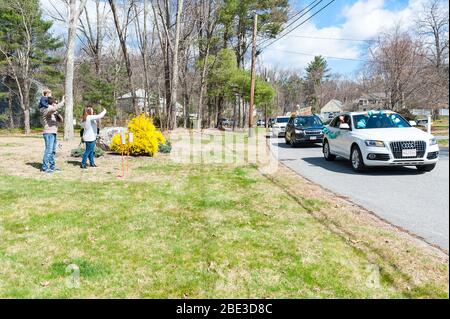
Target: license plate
[409,153]
[313,138]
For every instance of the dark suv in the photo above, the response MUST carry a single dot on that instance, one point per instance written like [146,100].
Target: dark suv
[304,130]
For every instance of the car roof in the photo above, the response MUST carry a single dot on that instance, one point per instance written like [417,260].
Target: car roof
[363,113]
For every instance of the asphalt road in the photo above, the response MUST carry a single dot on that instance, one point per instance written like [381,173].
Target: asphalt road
[414,201]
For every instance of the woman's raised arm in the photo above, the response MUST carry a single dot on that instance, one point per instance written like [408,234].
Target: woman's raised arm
[96,117]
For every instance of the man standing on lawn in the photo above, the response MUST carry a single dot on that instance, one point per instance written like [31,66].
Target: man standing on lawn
[50,122]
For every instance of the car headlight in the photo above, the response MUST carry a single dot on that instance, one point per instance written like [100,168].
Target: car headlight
[433,141]
[299,132]
[375,143]
[276,126]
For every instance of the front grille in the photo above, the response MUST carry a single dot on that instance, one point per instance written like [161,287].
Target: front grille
[398,147]
[313,133]
[433,155]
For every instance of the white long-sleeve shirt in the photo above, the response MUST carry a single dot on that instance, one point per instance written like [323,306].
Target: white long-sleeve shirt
[90,127]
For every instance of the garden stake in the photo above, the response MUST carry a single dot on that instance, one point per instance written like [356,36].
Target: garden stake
[123,142]
[130,140]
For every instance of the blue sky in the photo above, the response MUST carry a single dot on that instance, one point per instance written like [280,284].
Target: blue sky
[322,35]
[343,19]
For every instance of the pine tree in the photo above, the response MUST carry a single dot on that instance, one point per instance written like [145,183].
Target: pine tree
[25,50]
[317,73]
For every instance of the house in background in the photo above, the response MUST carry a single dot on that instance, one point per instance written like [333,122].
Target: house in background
[429,112]
[371,101]
[331,109]
[145,100]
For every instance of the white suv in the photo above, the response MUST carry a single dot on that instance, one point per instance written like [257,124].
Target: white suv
[279,126]
[379,138]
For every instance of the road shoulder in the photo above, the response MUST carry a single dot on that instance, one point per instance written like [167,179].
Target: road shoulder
[406,260]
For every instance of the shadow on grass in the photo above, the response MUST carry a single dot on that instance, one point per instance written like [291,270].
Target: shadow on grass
[74,163]
[35,165]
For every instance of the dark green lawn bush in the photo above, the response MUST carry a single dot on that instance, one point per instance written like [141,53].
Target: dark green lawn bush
[165,148]
[78,152]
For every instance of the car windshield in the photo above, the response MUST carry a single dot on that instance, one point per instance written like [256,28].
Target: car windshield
[282,120]
[307,121]
[379,120]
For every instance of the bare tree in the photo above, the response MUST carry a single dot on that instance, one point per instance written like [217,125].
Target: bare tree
[74,14]
[207,27]
[174,95]
[433,28]
[142,36]
[92,35]
[122,33]
[400,61]
[433,24]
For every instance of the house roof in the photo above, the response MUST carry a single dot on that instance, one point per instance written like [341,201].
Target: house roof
[332,107]
[376,96]
[140,94]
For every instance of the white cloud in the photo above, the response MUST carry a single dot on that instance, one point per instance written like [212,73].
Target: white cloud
[363,19]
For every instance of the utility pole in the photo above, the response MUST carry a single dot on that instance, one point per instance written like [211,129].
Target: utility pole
[266,124]
[253,78]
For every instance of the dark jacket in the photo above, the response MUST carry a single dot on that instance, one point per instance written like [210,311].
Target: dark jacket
[43,102]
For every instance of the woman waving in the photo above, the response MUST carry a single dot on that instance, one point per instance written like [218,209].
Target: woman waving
[89,124]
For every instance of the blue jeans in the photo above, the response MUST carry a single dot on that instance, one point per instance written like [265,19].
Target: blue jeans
[48,163]
[89,153]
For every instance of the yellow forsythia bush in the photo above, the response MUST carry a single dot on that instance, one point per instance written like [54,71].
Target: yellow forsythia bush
[146,138]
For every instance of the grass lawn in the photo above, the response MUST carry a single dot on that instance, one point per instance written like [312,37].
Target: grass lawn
[173,230]
[443,143]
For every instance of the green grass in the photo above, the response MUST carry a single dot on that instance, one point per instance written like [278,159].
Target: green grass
[209,232]
[443,143]
[185,230]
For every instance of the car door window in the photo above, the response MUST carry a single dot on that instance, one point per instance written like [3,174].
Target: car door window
[332,123]
[348,120]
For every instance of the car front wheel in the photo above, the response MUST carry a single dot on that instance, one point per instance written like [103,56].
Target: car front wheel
[327,152]
[357,160]
[426,168]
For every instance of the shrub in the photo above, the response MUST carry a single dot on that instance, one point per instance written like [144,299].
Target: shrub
[165,148]
[78,152]
[146,139]
[407,115]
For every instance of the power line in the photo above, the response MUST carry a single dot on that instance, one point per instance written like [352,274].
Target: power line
[346,59]
[299,25]
[326,38]
[293,22]
[327,57]
[300,11]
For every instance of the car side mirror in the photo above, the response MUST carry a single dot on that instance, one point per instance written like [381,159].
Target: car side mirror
[413,123]
[344,126]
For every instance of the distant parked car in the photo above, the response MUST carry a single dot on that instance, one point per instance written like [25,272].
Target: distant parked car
[224,122]
[271,121]
[383,138]
[304,130]
[422,122]
[279,126]
[260,123]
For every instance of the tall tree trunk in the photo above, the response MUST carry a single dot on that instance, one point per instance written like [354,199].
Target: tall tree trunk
[25,105]
[74,14]
[173,107]
[202,88]
[10,108]
[123,44]
[26,121]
